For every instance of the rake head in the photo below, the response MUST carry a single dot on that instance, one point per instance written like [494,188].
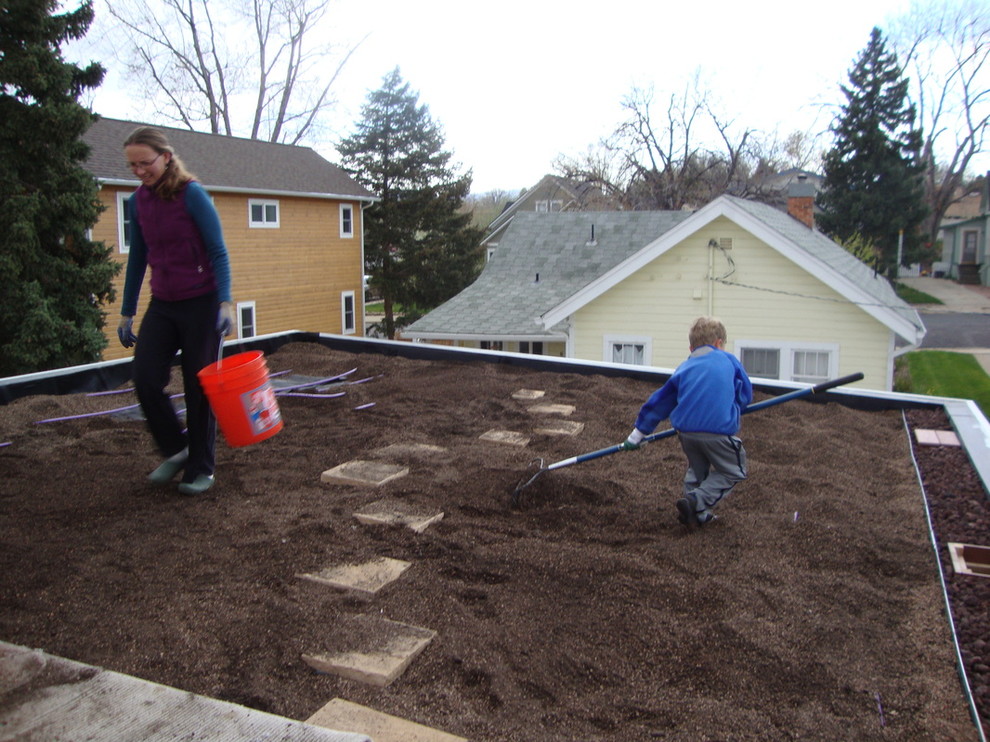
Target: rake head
[527,480]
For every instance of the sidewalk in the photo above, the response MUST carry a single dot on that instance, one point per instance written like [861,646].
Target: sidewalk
[955,297]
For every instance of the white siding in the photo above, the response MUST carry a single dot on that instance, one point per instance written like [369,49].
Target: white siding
[777,301]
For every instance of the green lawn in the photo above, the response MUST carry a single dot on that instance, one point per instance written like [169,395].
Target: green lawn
[942,373]
[913,296]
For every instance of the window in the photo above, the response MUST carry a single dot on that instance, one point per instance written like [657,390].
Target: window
[762,362]
[123,223]
[810,366]
[805,362]
[635,351]
[348,319]
[346,221]
[245,319]
[536,348]
[550,206]
[263,214]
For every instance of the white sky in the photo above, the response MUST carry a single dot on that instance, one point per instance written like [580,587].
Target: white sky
[516,83]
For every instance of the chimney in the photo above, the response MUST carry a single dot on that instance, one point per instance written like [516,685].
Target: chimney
[801,201]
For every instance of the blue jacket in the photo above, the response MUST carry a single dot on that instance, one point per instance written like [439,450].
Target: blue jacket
[182,241]
[706,394]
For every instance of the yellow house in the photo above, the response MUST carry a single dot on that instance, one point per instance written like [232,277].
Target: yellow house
[292,222]
[624,287]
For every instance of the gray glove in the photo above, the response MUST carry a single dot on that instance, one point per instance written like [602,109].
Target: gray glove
[225,318]
[125,332]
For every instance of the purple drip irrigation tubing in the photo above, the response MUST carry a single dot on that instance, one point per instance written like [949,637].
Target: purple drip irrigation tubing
[87,414]
[314,383]
[112,391]
[361,381]
[311,396]
[97,414]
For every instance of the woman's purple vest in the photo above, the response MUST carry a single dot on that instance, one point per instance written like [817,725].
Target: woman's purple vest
[180,268]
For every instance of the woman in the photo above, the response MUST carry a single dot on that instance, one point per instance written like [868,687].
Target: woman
[175,230]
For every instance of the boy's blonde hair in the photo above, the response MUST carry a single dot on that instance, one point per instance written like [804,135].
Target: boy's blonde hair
[706,331]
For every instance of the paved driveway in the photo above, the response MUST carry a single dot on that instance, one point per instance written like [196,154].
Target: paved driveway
[964,330]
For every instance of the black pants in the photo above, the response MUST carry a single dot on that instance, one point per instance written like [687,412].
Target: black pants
[169,327]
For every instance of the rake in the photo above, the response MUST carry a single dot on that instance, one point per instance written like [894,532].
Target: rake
[528,479]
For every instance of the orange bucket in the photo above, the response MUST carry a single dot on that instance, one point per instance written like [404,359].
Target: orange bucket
[242,398]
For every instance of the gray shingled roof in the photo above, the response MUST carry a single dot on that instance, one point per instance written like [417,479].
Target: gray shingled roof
[507,298]
[221,162]
[835,257]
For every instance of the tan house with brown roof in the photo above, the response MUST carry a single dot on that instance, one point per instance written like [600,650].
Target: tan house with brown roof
[292,222]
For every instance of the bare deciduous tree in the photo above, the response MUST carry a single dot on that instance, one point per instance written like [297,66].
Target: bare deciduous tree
[684,158]
[194,55]
[945,48]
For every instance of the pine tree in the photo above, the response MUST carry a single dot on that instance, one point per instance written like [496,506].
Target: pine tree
[55,279]
[420,247]
[873,187]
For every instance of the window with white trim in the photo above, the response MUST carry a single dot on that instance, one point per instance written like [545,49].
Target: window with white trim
[762,362]
[809,363]
[535,348]
[553,206]
[346,221]
[245,319]
[634,351]
[263,213]
[123,223]
[348,313]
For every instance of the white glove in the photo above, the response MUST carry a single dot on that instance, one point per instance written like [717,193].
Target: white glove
[634,440]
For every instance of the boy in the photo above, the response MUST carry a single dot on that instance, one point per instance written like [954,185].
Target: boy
[704,399]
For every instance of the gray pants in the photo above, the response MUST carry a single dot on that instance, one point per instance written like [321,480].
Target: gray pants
[716,464]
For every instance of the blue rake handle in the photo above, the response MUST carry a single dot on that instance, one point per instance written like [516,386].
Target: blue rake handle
[817,389]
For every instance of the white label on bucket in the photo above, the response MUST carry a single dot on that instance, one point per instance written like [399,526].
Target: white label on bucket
[261,408]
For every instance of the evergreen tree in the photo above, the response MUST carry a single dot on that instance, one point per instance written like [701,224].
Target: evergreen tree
[55,278]
[873,185]
[420,247]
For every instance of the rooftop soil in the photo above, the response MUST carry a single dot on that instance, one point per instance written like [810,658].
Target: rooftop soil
[811,609]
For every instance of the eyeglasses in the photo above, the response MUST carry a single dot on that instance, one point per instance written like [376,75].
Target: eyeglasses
[144,165]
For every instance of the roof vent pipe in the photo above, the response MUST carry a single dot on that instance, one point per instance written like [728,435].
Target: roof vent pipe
[592,242]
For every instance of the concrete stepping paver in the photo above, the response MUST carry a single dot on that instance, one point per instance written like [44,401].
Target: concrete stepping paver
[367,578]
[381,727]
[392,512]
[512,437]
[559,427]
[552,409]
[374,473]
[528,394]
[385,649]
[936,437]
